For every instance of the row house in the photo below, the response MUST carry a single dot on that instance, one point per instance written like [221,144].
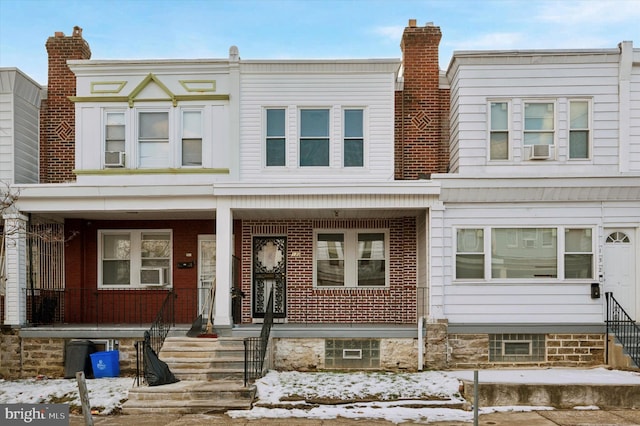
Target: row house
[404,217]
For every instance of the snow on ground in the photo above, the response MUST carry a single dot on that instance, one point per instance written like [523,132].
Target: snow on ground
[402,397]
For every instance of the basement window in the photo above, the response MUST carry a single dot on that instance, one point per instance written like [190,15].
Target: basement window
[516,347]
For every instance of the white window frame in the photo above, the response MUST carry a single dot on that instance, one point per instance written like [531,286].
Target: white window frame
[266,137]
[561,253]
[588,129]
[490,130]
[329,138]
[553,131]
[135,257]
[105,114]
[351,257]
[345,138]
[181,138]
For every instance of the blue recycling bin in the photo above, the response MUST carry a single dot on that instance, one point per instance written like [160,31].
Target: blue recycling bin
[105,364]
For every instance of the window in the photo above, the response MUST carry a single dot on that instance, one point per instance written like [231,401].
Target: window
[470,254]
[192,138]
[314,137]
[579,129]
[524,253]
[353,138]
[135,258]
[114,132]
[578,253]
[499,132]
[153,138]
[276,140]
[352,258]
[539,123]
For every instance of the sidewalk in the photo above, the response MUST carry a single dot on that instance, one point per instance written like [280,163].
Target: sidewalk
[532,418]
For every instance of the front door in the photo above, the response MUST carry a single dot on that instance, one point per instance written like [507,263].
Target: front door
[620,268]
[206,270]
[269,271]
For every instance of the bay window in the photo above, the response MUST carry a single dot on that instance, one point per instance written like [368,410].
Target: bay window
[351,258]
[134,258]
[524,253]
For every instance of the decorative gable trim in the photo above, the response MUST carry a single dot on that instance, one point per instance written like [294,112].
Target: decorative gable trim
[107,86]
[173,98]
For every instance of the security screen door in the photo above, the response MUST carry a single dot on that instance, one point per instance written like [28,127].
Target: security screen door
[269,271]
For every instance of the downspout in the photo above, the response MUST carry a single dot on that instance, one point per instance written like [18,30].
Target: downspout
[421,322]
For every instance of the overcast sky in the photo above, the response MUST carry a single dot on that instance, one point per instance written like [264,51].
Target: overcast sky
[292,29]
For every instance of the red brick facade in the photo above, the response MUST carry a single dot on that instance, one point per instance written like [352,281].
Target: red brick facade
[305,304]
[422,107]
[57,114]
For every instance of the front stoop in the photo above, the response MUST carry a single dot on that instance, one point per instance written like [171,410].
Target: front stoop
[190,397]
[211,373]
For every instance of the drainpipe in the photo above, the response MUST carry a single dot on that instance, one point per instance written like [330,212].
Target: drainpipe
[421,321]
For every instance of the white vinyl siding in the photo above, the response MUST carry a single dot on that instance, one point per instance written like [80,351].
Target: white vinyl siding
[337,92]
[477,81]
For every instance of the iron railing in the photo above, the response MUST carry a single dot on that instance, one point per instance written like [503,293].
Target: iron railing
[157,333]
[107,307]
[255,348]
[624,329]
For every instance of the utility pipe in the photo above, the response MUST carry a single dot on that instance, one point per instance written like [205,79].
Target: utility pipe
[420,343]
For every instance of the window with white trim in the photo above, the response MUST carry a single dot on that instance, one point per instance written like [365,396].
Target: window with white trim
[275,143]
[153,139]
[499,131]
[539,123]
[314,137]
[524,253]
[134,258]
[351,258]
[579,129]
[353,143]
[191,138]
[114,139]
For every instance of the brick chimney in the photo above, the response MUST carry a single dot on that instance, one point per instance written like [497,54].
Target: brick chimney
[422,107]
[57,114]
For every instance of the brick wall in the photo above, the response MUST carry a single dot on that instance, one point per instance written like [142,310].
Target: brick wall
[395,305]
[422,107]
[57,115]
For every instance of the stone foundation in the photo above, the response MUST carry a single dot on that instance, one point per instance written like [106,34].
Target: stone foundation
[23,358]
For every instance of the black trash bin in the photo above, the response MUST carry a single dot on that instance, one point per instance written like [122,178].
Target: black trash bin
[77,358]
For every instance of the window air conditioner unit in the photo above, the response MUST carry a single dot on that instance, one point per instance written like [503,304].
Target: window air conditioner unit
[539,152]
[114,159]
[152,276]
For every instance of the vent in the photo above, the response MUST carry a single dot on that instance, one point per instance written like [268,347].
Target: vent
[539,152]
[114,159]
[152,276]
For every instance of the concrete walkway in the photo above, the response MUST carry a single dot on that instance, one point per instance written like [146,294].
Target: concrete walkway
[533,418]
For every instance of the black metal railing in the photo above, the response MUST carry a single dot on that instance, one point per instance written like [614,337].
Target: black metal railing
[255,348]
[107,307]
[624,329]
[158,331]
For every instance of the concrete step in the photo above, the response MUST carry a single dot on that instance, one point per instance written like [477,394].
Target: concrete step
[194,363]
[190,397]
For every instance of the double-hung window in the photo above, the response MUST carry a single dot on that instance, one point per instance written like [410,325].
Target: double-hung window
[276,140]
[153,139]
[499,131]
[192,138]
[524,253]
[314,137]
[114,139]
[579,129]
[353,146]
[351,258]
[135,258]
[539,123]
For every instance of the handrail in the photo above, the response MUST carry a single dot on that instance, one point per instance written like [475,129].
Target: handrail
[255,348]
[624,328]
[157,332]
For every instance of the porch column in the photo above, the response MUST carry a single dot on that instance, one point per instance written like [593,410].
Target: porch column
[224,258]
[15,304]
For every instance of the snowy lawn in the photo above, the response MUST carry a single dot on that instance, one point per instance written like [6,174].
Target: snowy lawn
[400,397]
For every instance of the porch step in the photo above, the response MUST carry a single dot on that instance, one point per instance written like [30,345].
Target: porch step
[190,397]
[204,359]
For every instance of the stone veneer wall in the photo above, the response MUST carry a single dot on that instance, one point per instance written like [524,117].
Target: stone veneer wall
[30,357]
[562,350]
